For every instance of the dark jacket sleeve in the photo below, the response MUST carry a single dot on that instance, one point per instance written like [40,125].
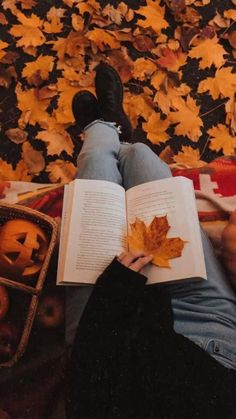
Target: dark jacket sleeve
[100,372]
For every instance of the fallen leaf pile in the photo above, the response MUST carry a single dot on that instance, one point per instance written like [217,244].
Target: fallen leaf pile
[152,240]
[176,59]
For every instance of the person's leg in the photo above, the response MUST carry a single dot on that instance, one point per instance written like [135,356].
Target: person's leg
[138,164]
[98,156]
[204,311]
[98,159]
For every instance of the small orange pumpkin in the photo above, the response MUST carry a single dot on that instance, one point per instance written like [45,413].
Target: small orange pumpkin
[23,247]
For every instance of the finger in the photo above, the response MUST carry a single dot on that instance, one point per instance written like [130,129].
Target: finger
[130,257]
[140,263]
[121,256]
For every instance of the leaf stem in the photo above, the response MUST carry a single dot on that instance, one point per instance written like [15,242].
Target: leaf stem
[204,148]
[211,110]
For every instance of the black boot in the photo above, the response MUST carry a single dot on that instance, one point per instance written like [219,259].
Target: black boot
[109,90]
[85,108]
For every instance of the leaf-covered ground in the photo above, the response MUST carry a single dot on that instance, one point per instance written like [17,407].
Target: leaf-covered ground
[176,58]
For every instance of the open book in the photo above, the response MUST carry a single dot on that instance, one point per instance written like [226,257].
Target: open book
[96,219]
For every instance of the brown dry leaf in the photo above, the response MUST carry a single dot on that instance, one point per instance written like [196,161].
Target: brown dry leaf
[19,173]
[17,135]
[143,43]
[73,45]
[156,128]
[38,70]
[230,109]
[3,19]
[6,76]
[9,58]
[33,109]
[102,39]
[29,31]
[152,240]
[221,140]
[176,6]
[154,15]
[120,60]
[115,15]
[189,17]
[136,106]
[143,68]
[189,157]
[46,92]
[210,52]
[232,39]
[33,159]
[56,142]
[61,171]
[223,84]
[172,60]
[187,119]
[167,155]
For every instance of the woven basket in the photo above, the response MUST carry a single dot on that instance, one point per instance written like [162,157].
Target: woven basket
[50,228]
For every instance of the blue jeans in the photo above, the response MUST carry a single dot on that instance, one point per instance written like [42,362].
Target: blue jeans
[204,312]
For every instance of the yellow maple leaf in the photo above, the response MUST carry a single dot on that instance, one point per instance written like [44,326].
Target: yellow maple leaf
[167,98]
[103,39]
[77,22]
[54,16]
[210,52]
[2,46]
[143,68]
[156,128]
[230,14]
[61,171]
[221,140]
[136,106]
[223,84]
[29,31]
[33,159]
[189,157]
[154,15]
[56,141]
[19,173]
[187,119]
[89,6]
[10,4]
[152,240]
[33,109]
[27,4]
[38,70]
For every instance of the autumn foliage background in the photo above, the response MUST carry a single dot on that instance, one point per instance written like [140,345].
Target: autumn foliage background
[176,59]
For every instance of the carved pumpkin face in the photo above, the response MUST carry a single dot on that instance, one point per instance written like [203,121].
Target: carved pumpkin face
[23,247]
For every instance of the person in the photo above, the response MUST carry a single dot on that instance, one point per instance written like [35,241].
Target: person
[143,351]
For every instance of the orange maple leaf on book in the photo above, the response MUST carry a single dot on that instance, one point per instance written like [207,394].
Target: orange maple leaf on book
[152,240]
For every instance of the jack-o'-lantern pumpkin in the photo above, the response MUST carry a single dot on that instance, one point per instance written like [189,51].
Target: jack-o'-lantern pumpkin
[23,247]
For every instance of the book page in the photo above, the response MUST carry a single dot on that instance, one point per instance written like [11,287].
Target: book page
[173,197]
[97,230]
